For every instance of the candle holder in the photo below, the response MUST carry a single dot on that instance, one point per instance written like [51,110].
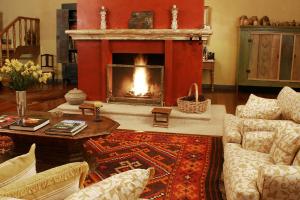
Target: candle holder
[97,106]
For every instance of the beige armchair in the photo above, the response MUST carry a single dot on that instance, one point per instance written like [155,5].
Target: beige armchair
[262,157]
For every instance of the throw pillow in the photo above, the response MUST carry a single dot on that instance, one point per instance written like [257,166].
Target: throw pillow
[261,108]
[18,168]
[56,183]
[289,102]
[123,186]
[285,145]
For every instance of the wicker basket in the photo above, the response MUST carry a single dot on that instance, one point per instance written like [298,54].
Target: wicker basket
[192,106]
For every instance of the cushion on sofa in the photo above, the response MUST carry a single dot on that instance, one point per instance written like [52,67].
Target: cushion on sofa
[123,186]
[285,146]
[56,183]
[265,125]
[260,141]
[260,108]
[232,129]
[289,102]
[241,171]
[18,168]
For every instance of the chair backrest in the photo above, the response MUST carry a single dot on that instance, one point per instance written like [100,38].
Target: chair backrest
[47,60]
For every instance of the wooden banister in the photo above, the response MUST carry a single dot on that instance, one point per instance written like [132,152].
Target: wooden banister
[22,31]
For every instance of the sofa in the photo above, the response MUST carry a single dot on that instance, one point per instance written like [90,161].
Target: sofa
[261,149]
[19,180]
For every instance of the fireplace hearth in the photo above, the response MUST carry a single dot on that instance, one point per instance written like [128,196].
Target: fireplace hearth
[136,78]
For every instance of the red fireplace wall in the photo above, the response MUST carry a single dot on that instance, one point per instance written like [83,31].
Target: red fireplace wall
[183,59]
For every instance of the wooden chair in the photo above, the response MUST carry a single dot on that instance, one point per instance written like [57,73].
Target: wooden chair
[47,65]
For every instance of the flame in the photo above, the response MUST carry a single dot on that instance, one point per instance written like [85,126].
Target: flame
[140,85]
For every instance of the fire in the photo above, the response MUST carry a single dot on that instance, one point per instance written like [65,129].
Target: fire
[140,77]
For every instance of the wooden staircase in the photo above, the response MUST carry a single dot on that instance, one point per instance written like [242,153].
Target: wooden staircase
[20,40]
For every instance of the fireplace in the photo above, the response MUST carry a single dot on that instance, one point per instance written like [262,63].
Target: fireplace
[181,49]
[136,78]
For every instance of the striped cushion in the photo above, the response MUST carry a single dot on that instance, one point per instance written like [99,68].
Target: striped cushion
[56,183]
[18,168]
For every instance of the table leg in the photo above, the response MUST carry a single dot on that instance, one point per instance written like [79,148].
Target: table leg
[212,75]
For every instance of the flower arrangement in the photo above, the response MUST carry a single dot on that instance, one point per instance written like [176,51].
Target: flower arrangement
[21,76]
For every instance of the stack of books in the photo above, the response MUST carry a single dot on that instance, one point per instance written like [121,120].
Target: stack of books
[29,124]
[6,120]
[67,127]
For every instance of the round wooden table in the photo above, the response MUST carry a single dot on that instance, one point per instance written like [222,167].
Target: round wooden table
[54,150]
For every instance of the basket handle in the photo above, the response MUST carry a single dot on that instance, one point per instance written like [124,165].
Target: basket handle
[196,91]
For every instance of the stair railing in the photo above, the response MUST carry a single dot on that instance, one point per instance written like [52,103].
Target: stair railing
[23,31]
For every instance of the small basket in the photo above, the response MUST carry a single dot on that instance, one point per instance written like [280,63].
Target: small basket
[192,106]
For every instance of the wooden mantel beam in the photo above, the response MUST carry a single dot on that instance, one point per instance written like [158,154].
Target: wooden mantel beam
[140,34]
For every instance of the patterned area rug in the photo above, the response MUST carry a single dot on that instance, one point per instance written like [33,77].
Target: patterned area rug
[6,144]
[187,167]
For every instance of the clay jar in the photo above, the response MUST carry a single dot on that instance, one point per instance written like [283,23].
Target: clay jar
[75,97]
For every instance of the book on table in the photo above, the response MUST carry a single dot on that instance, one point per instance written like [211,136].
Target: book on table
[29,124]
[6,120]
[67,127]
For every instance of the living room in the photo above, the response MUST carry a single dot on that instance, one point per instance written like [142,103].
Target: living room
[229,51]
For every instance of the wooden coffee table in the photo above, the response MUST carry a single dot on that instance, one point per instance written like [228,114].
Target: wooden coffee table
[54,150]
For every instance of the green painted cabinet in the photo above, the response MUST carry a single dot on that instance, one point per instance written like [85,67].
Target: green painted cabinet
[269,56]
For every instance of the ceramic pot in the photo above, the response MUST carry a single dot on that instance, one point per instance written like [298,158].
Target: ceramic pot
[75,97]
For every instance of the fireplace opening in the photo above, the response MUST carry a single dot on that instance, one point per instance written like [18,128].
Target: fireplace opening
[136,78]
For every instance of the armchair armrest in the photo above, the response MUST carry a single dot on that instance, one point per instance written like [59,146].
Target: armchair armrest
[265,125]
[238,110]
[232,129]
[279,182]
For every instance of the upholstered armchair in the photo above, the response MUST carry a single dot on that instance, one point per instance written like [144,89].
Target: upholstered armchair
[265,166]
[261,150]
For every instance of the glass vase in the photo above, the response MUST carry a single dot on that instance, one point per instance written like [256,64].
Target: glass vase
[21,103]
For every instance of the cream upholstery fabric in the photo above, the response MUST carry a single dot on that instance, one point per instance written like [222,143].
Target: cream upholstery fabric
[265,125]
[279,182]
[18,168]
[254,170]
[238,110]
[285,146]
[241,171]
[296,161]
[232,129]
[289,102]
[260,108]
[260,141]
[56,183]
[123,186]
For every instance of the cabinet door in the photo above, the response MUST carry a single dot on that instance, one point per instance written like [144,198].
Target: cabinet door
[62,39]
[268,56]
[296,61]
[264,56]
[286,58]
[254,46]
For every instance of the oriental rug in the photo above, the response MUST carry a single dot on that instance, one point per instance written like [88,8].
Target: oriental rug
[187,167]
[6,144]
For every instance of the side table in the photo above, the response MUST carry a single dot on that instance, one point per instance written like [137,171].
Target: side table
[210,66]
[161,117]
